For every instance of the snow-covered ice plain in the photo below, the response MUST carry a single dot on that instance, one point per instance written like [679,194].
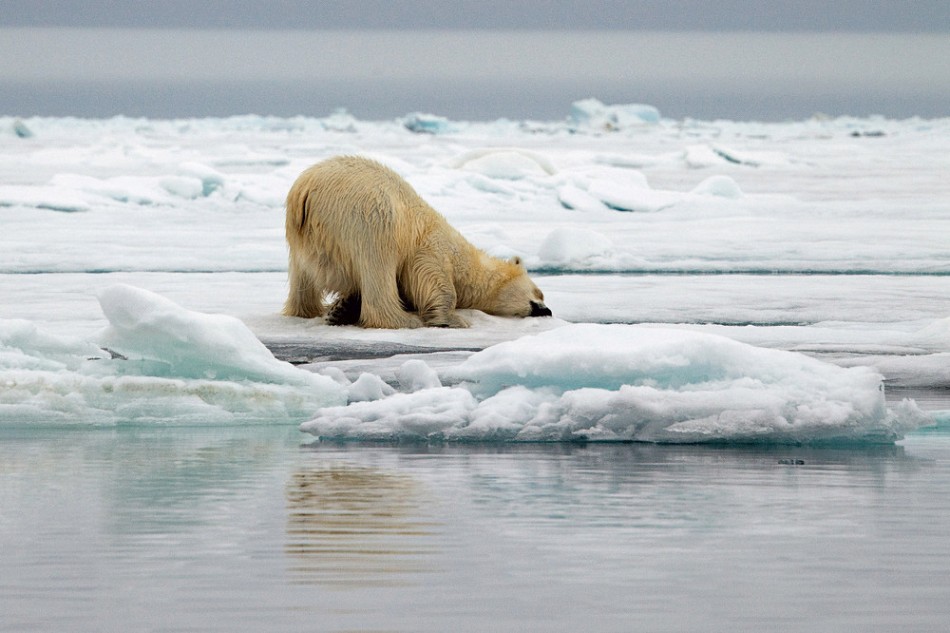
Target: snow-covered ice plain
[737,419]
[826,237]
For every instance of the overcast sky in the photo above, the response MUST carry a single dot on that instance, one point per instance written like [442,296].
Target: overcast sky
[714,15]
[691,58]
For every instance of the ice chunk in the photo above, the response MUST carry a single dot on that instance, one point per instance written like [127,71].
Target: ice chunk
[573,197]
[132,189]
[628,190]
[368,387]
[340,120]
[24,346]
[164,364]
[574,247]
[720,186]
[193,182]
[21,129]
[414,375]
[422,123]
[593,114]
[51,198]
[632,194]
[421,415]
[181,343]
[211,179]
[618,382]
[183,186]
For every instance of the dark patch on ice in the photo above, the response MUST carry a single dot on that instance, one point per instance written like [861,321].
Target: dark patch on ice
[792,462]
[113,355]
[299,352]
[729,158]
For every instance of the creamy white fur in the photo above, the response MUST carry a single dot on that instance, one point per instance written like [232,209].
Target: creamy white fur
[356,228]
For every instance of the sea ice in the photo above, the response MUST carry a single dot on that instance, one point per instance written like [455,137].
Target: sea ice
[39,197]
[159,363]
[619,382]
[193,210]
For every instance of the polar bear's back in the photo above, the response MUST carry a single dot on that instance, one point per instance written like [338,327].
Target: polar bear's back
[356,200]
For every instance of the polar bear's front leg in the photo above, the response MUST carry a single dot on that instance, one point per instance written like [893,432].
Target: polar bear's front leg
[430,289]
[381,306]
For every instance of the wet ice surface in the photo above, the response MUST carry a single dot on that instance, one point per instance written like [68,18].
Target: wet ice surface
[245,529]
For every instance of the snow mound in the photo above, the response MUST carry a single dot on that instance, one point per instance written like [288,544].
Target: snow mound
[158,364]
[719,186]
[574,247]
[633,383]
[505,164]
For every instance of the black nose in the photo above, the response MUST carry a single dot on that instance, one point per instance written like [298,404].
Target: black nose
[539,310]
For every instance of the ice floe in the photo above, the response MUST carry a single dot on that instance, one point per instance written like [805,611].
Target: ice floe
[155,363]
[614,382]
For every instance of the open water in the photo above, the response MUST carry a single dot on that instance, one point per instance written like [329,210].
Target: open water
[252,529]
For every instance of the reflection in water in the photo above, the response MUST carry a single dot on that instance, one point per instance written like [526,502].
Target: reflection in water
[351,526]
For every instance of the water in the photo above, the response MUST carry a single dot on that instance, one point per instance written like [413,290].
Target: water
[249,529]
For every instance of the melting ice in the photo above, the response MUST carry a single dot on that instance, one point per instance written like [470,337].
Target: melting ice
[155,363]
[621,382]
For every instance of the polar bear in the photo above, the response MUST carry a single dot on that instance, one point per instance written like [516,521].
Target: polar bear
[357,230]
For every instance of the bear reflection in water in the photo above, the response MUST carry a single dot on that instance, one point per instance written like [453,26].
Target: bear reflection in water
[352,526]
[359,232]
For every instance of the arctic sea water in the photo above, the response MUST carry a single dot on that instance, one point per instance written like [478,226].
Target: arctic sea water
[736,421]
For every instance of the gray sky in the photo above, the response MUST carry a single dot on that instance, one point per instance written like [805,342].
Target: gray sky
[690,58]
[704,15]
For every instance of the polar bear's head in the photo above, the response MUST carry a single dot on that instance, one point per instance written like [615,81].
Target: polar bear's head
[518,296]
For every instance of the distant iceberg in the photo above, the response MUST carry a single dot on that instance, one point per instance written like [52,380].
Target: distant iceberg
[632,383]
[592,114]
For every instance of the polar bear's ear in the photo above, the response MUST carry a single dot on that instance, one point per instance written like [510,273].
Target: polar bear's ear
[516,261]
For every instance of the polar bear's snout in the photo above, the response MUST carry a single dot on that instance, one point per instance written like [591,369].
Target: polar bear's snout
[540,310]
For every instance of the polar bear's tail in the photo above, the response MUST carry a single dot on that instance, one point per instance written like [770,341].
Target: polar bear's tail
[296,211]
[305,298]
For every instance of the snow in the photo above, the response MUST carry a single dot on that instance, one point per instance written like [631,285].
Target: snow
[796,264]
